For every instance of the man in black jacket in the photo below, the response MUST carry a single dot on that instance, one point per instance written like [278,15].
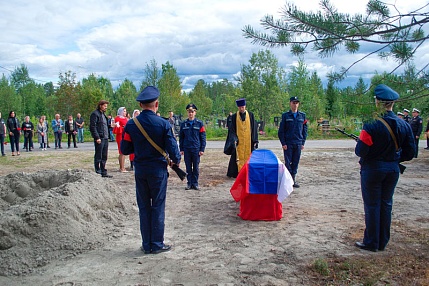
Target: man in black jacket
[100,133]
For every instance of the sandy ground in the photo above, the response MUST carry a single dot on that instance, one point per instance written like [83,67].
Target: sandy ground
[61,224]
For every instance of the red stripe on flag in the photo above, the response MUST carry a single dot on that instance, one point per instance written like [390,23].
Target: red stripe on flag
[240,188]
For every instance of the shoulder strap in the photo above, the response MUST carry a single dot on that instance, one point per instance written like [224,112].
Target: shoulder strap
[151,141]
[390,131]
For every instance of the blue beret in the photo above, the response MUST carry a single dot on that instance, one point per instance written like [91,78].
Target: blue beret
[293,98]
[191,106]
[149,94]
[240,102]
[385,93]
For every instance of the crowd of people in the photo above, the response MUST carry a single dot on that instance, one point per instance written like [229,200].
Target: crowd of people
[73,128]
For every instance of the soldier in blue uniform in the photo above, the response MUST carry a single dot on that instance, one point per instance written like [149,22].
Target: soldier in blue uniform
[192,143]
[379,160]
[292,134]
[400,115]
[417,127]
[150,168]
[407,117]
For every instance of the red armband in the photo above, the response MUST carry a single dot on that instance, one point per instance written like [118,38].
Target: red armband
[366,138]
[202,129]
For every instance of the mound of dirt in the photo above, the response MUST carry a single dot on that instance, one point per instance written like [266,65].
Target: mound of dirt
[54,214]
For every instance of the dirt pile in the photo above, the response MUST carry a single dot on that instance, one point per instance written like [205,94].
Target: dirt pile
[51,214]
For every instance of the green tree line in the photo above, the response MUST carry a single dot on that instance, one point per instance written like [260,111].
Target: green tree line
[262,81]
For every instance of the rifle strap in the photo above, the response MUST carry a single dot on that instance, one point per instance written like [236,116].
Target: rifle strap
[391,132]
[151,141]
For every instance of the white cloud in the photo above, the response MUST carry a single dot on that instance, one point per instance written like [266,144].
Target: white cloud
[116,39]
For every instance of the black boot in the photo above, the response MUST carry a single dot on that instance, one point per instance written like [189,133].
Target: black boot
[295,185]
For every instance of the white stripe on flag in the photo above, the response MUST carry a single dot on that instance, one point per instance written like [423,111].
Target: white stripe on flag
[285,182]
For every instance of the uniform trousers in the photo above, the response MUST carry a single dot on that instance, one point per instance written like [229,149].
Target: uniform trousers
[416,141]
[192,162]
[151,191]
[378,186]
[292,155]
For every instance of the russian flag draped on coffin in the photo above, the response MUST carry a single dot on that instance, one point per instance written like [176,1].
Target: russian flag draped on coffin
[261,186]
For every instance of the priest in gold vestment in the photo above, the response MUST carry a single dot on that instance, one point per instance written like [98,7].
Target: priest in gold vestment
[242,138]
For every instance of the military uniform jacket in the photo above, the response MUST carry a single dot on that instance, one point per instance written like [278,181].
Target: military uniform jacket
[417,125]
[147,159]
[407,119]
[376,147]
[192,135]
[293,130]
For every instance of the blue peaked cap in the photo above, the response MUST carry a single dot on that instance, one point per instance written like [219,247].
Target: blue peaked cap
[148,94]
[385,93]
[191,106]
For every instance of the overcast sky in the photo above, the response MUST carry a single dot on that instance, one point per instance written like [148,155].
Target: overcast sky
[116,39]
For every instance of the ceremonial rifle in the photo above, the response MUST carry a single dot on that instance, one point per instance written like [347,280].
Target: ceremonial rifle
[182,174]
[356,138]
[353,136]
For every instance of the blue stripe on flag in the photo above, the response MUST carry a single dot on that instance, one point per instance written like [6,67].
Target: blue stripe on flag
[263,172]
